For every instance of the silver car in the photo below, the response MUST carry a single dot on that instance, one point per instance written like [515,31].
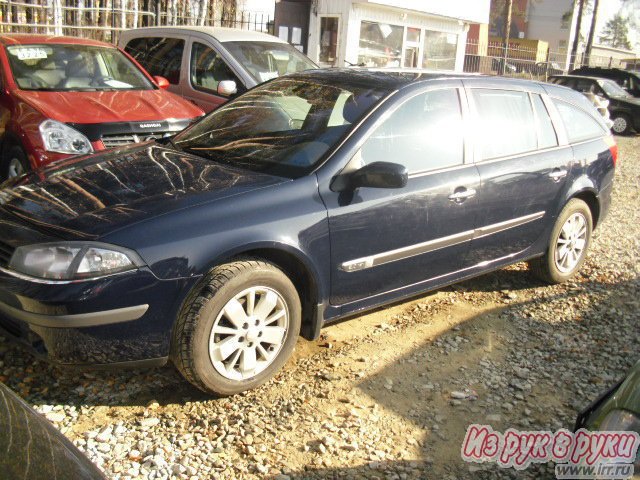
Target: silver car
[207,65]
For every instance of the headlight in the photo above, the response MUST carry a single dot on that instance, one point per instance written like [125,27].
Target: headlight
[73,260]
[623,421]
[58,137]
[620,420]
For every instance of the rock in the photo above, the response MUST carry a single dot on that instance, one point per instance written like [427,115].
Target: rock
[55,417]
[104,435]
[149,422]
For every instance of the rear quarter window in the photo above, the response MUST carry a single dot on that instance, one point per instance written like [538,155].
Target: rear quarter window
[579,124]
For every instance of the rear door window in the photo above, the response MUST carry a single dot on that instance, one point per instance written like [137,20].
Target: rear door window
[208,69]
[504,123]
[159,56]
[579,124]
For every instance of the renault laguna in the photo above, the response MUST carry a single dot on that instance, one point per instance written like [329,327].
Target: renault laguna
[307,199]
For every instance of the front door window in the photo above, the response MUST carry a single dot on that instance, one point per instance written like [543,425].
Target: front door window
[208,69]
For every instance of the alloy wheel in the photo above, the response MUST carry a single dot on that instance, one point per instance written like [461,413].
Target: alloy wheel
[248,333]
[619,124]
[571,242]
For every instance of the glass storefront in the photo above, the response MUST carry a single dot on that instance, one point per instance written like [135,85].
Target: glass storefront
[439,52]
[384,45]
[380,44]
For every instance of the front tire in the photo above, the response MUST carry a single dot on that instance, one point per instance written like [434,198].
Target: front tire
[568,244]
[13,162]
[621,124]
[237,329]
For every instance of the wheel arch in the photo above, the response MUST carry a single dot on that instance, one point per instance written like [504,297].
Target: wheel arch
[296,265]
[590,197]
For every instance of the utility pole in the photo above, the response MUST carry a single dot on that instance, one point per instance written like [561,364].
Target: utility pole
[592,31]
[576,39]
[507,30]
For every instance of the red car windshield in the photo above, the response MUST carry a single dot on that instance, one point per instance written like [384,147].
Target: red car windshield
[60,67]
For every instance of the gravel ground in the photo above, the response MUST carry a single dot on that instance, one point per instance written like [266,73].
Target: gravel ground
[387,395]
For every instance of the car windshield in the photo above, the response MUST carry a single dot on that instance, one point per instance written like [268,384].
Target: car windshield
[52,67]
[613,89]
[267,60]
[283,127]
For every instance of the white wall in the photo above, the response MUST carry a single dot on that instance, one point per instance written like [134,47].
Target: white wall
[265,7]
[545,22]
[352,13]
[474,11]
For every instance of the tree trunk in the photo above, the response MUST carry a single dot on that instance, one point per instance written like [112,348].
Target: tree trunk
[592,31]
[57,17]
[134,6]
[204,11]
[576,39]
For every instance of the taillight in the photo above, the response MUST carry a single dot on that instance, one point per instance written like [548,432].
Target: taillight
[613,148]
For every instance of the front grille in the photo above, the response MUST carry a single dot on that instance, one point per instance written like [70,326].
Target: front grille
[120,140]
[114,141]
[5,254]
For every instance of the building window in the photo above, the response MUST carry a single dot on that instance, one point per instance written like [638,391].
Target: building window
[439,51]
[380,44]
[328,40]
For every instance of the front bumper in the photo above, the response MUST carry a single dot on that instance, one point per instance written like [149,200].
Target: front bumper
[125,318]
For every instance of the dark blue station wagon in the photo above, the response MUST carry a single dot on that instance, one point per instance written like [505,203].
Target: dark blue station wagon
[309,198]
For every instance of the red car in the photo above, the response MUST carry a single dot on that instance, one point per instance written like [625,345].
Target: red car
[63,96]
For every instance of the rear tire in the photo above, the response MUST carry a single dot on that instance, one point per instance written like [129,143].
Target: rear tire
[621,123]
[238,328]
[13,162]
[568,244]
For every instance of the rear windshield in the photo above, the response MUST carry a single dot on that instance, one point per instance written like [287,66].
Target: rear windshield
[74,67]
[267,60]
[283,127]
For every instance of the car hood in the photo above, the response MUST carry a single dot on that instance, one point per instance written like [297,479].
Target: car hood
[109,106]
[89,196]
[630,100]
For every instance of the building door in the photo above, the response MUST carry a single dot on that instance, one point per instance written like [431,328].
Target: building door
[412,48]
[329,35]
[291,22]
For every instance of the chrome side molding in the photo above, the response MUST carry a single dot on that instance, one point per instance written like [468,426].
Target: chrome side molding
[364,263]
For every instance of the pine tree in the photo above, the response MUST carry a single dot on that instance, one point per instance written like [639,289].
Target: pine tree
[616,33]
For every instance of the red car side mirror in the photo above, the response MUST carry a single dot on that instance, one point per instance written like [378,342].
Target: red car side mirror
[162,82]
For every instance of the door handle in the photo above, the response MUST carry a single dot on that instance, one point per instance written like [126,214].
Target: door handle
[557,174]
[460,195]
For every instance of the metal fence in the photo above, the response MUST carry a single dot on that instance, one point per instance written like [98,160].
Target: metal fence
[104,19]
[539,64]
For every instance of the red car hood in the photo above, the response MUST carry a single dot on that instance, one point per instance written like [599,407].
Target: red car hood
[110,106]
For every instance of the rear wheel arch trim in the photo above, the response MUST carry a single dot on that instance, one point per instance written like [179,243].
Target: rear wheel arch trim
[588,195]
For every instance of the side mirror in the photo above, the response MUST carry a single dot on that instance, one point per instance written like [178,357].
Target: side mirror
[380,175]
[162,82]
[226,88]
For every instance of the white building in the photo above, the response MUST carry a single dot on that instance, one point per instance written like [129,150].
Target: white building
[393,33]
[552,21]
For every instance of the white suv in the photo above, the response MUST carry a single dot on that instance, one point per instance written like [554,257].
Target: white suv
[207,65]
